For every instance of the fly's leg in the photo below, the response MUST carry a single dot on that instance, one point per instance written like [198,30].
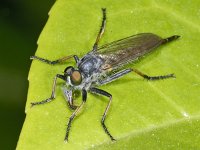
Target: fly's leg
[101,31]
[169,39]
[154,77]
[84,98]
[72,106]
[53,92]
[104,93]
[55,61]
[114,76]
[69,98]
[126,71]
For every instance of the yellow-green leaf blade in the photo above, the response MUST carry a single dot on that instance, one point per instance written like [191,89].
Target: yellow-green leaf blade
[137,105]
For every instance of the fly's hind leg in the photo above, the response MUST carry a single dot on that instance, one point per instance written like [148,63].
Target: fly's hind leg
[153,77]
[55,61]
[114,76]
[126,71]
[101,31]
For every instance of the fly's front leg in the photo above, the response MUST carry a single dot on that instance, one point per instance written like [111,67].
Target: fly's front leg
[104,93]
[52,94]
[101,31]
[55,61]
[69,98]
[84,98]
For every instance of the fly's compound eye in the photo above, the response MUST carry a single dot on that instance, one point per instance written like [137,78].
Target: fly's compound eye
[68,70]
[76,77]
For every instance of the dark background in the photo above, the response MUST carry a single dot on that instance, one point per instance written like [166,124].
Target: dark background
[21,22]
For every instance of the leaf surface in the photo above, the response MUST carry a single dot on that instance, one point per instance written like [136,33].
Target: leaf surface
[144,115]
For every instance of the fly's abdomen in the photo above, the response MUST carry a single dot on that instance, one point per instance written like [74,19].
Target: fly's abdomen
[128,49]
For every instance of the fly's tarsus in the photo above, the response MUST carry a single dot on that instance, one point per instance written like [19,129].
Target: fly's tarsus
[153,78]
[42,102]
[104,93]
[72,106]
[159,77]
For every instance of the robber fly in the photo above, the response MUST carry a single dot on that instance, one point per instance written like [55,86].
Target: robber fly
[103,65]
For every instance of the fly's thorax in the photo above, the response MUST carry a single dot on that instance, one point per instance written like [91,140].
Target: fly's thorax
[90,64]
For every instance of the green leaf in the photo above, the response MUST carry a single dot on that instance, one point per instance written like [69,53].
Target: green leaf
[144,115]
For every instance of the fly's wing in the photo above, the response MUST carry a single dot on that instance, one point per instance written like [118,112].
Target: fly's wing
[123,51]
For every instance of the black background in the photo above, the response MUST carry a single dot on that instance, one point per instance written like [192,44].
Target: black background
[21,22]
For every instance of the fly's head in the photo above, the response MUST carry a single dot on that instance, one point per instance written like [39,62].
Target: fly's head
[73,76]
